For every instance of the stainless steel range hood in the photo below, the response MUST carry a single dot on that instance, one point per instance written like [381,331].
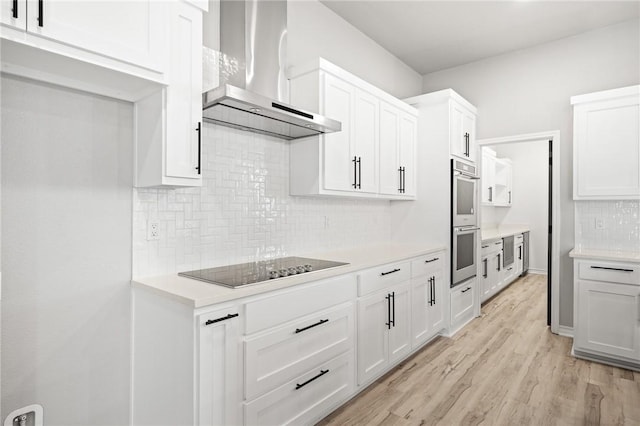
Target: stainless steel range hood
[254,89]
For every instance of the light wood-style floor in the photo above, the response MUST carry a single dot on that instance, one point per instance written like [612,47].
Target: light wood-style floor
[504,368]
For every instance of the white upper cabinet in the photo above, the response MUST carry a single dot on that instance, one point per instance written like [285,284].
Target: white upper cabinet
[503,182]
[364,159]
[398,132]
[497,180]
[606,145]
[169,122]
[14,13]
[365,141]
[488,179]
[130,31]
[462,130]
[339,171]
[117,49]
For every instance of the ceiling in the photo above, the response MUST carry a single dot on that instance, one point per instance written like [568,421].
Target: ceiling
[434,35]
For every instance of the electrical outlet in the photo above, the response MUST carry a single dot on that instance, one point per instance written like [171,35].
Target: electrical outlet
[600,223]
[30,415]
[153,230]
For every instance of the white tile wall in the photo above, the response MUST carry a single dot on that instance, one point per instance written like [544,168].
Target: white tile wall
[244,212]
[621,221]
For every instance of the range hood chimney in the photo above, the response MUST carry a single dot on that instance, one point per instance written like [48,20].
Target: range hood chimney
[254,89]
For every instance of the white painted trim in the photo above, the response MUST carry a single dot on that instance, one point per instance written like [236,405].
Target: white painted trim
[565,331]
[132,307]
[538,271]
[554,137]
[621,92]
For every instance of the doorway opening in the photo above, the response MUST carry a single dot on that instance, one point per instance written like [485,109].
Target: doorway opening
[544,146]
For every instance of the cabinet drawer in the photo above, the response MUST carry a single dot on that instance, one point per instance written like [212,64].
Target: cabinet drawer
[427,265]
[518,239]
[462,297]
[375,279]
[489,247]
[274,358]
[614,272]
[284,307]
[306,398]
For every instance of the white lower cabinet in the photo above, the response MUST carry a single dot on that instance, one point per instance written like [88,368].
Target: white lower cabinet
[607,311]
[493,275]
[491,270]
[519,258]
[428,301]
[383,330]
[462,304]
[287,356]
[219,368]
[298,361]
[306,398]
[277,356]
[186,363]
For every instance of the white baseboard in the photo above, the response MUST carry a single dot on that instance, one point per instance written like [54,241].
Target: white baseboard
[538,271]
[565,331]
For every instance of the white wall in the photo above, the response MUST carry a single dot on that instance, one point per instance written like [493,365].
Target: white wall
[315,30]
[530,196]
[528,91]
[66,253]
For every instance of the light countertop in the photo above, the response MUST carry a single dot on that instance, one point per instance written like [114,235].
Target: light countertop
[198,294]
[502,231]
[620,256]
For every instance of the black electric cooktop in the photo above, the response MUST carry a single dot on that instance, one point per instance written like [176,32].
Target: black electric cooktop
[256,272]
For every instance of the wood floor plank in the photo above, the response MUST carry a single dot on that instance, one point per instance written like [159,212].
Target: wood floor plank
[504,368]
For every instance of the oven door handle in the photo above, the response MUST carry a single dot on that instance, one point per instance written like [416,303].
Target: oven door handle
[463,230]
[465,175]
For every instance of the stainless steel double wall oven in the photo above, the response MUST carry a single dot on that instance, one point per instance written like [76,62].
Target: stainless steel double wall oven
[464,221]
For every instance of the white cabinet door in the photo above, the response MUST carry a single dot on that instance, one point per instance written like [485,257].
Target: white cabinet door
[389,153]
[427,300]
[365,140]
[421,289]
[607,149]
[129,31]
[488,178]
[169,122]
[407,147]
[469,132]
[457,140]
[14,13]
[437,307]
[219,369]
[398,132]
[462,302]
[519,259]
[486,278]
[184,94]
[502,179]
[340,171]
[608,319]
[373,326]
[461,123]
[400,332]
